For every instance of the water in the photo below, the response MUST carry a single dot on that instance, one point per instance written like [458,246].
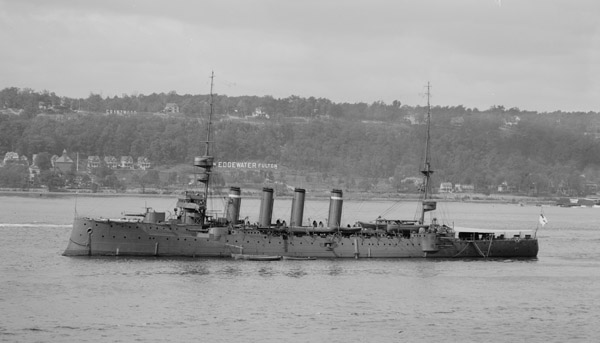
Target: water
[45,297]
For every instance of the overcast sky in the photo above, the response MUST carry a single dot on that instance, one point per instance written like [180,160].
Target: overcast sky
[540,55]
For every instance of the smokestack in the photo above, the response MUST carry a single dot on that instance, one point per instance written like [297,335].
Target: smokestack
[233,205]
[266,207]
[335,208]
[297,207]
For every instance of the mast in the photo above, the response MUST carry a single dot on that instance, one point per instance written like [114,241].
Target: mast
[206,162]
[426,171]
[210,114]
[208,130]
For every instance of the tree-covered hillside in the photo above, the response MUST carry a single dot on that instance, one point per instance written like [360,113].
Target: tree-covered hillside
[541,153]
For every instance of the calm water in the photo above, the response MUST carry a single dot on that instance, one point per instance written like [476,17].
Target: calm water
[45,297]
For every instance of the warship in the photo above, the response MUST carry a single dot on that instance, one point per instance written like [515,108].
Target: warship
[194,231]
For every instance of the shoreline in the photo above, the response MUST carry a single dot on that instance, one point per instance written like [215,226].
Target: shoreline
[461,197]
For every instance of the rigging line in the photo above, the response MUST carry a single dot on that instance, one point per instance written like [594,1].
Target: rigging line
[490,246]
[317,211]
[390,209]
[381,214]
[75,209]
[394,206]
[463,249]
[417,213]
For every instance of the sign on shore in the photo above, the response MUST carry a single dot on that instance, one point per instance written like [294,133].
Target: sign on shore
[245,165]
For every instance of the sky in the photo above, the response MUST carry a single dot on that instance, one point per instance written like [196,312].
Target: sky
[537,55]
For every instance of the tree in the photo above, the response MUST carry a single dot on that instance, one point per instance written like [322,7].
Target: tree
[336,111]
[366,184]
[52,180]
[102,171]
[172,178]
[43,161]
[113,182]
[13,176]
[9,97]
[151,177]
[95,103]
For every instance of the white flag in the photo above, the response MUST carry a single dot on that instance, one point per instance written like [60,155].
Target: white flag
[543,220]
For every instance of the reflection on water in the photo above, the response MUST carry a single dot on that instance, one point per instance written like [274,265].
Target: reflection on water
[296,272]
[426,270]
[194,269]
[230,271]
[265,271]
[335,270]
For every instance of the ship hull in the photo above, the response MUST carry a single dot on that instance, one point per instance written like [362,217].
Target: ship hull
[98,237]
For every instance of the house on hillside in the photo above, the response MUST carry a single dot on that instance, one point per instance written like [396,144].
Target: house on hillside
[412,119]
[458,188]
[259,112]
[504,187]
[512,121]
[111,162]
[43,105]
[457,121]
[63,164]
[171,108]
[93,162]
[126,162]
[143,163]
[446,187]
[10,157]
[34,169]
